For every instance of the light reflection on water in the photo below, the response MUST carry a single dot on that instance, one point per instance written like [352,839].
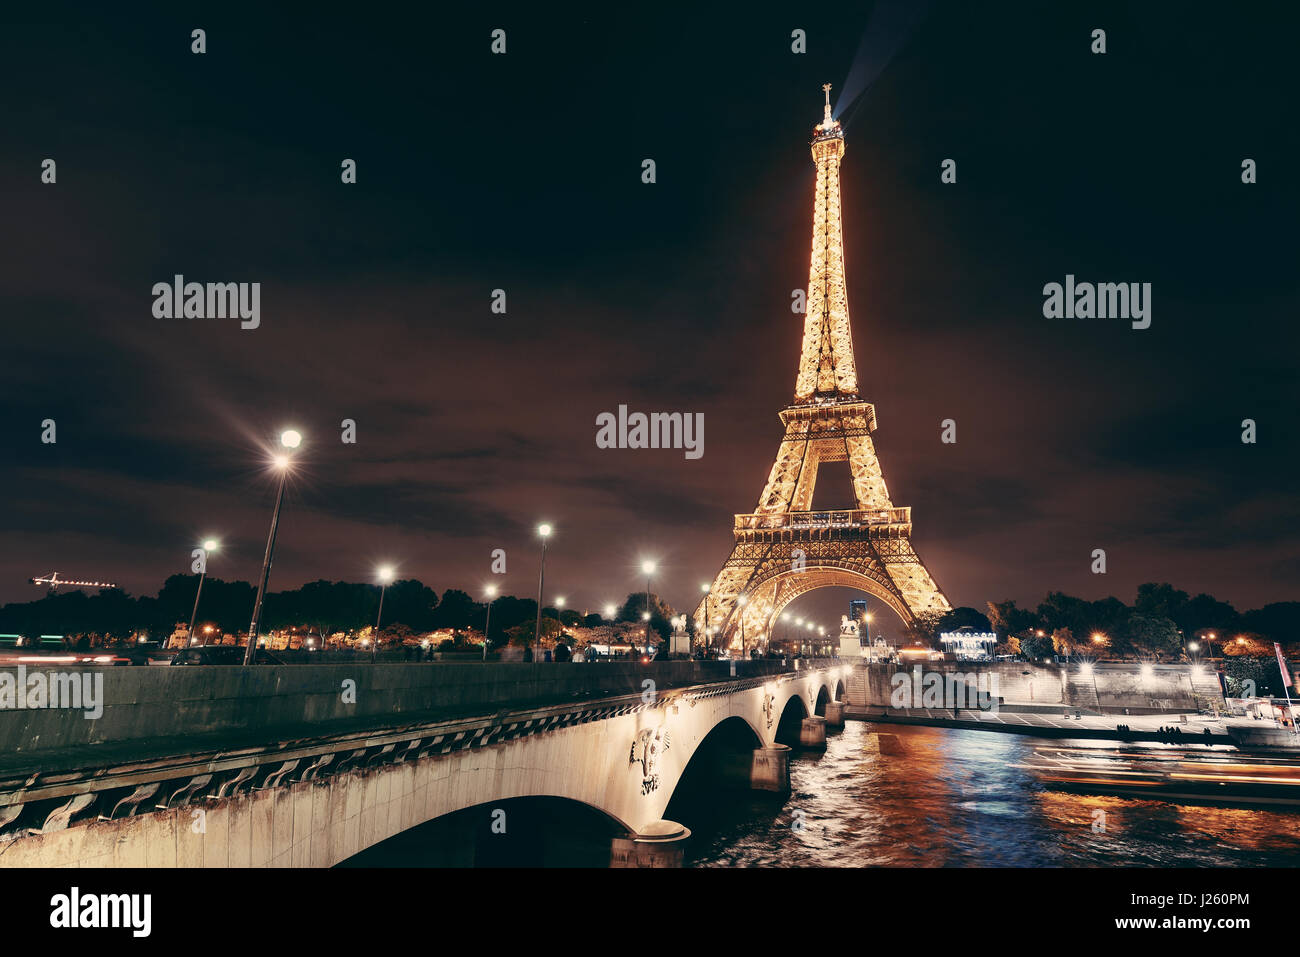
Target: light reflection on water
[934,797]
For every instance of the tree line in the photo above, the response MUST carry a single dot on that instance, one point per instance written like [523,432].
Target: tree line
[319,607]
[1160,622]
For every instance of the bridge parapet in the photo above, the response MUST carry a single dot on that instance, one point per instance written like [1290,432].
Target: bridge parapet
[346,765]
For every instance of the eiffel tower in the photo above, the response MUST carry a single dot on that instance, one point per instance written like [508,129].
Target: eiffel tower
[783,549]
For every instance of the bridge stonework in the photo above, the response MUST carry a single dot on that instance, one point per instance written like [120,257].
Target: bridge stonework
[316,804]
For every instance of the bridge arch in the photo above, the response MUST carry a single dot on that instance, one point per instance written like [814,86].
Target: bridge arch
[524,831]
[787,726]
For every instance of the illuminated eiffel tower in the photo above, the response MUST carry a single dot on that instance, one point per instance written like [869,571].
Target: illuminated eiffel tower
[783,549]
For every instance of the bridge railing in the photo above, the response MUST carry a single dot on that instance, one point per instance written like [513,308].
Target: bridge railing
[844,518]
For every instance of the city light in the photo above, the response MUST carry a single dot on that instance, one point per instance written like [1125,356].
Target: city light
[384,574]
[648,567]
[706,588]
[611,610]
[559,602]
[291,438]
[211,544]
[544,530]
[490,591]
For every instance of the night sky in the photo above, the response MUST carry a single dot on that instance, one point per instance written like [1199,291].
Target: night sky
[523,172]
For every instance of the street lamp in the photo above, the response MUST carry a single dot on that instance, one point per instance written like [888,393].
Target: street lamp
[491,592]
[544,531]
[611,610]
[707,589]
[290,439]
[649,568]
[209,546]
[741,602]
[384,574]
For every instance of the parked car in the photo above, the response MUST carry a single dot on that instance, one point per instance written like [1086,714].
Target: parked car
[143,653]
[221,655]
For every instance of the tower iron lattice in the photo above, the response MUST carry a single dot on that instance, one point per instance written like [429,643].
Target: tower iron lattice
[783,549]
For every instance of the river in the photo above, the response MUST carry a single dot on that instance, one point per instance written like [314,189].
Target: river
[949,797]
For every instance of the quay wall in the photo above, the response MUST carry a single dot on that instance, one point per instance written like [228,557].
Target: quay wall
[1108,688]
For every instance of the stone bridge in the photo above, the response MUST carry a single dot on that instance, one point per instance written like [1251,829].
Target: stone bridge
[310,765]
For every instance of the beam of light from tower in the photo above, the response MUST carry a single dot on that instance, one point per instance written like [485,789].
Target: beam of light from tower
[888,28]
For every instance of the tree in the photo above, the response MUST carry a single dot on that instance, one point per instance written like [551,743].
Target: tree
[1280,621]
[1153,634]
[1009,646]
[1247,645]
[1160,600]
[1036,645]
[964,618]
[457,610]
[1064,643]
[1204,613]
[1059,610]
[1252,677]
[522,634]
[634,607]
[1007,619]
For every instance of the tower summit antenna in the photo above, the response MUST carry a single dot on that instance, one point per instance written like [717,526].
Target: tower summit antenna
[828,128]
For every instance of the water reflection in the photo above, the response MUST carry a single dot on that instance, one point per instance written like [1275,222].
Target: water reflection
[902,796]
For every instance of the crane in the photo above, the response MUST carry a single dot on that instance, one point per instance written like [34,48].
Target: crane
[54,581]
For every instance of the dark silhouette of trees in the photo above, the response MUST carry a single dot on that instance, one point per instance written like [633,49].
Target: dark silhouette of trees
[1160,621]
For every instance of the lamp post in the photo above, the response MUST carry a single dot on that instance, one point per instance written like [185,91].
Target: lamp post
[491,592]
[544,531]
[289,440]
[209,546]
[649,569]
[610,611]
[707,589]
[741,602]
[384,574]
